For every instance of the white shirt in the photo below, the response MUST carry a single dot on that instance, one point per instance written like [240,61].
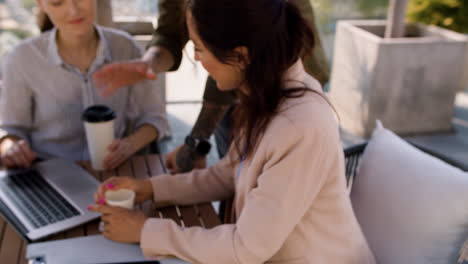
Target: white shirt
[43,98]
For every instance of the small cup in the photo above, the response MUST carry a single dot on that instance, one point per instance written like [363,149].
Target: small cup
[99,126]
[121,198]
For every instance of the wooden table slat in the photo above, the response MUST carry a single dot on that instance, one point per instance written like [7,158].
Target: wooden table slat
[208,214]
[78,231]
[22,256]
[92,228]
[3,225]
[189,215]
[57,236]
[87,167]
[170,212]
[140,170]
[11,246]
[104,175]
[154,165]
[125,169]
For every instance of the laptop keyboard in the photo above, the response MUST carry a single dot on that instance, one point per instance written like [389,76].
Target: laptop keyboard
[36,199]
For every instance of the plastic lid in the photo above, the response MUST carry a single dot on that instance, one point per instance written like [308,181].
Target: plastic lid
[98,113]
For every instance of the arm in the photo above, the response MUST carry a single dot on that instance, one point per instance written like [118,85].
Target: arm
[16,101]
[202,185]
[159,59]
[287,186]
[142,136]
[215,105]
[16,116]
[208,119]
[171,32]
[164,52]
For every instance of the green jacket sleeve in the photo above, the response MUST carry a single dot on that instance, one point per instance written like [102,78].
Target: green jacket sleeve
[315,64]
[213,95]
[171,31]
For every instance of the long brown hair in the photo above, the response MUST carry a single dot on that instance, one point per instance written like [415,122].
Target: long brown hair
[276,36]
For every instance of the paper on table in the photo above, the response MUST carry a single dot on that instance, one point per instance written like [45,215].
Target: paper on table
[89,249]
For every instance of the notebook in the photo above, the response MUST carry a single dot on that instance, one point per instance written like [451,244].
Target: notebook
[89,249]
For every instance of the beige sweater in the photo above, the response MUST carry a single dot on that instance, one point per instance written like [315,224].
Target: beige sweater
[290,202]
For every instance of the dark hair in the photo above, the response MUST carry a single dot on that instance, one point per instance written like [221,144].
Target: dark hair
[276,36]
[43,21]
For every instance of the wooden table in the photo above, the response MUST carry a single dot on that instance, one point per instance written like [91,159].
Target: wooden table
[13,247]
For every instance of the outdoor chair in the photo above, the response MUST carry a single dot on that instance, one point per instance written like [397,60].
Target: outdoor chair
[353,155]
[411,203]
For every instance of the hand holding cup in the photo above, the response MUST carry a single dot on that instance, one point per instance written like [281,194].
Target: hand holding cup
[118,223]
[143,188]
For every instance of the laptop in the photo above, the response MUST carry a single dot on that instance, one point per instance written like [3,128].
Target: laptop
[50,197]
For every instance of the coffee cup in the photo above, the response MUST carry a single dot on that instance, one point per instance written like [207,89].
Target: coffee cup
[124,198]
[99,126]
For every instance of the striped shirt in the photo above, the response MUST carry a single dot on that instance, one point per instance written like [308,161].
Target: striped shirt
[43,97]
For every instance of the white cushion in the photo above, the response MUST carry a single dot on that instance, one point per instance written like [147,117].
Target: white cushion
[412,207]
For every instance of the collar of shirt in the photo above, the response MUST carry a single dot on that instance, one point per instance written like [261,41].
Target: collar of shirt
[296,76]
[103,54]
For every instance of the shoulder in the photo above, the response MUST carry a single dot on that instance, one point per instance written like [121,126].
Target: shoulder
[308,122]
[117,34]
[120,42]
[311,111]
[27,50]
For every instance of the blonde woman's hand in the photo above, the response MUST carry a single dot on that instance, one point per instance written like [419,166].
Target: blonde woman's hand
[119,151]
[143,188]
[120,224]
[16,153]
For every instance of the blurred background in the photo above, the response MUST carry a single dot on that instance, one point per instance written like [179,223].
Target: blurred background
[17,19]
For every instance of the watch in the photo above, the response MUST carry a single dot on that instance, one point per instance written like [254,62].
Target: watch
[200,145]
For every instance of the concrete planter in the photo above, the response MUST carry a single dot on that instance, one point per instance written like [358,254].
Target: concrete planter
[409,83]
[464,85]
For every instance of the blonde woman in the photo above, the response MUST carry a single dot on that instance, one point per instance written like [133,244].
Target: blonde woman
[48,83]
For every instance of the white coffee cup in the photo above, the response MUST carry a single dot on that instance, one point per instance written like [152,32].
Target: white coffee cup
[99,126]
[124,198]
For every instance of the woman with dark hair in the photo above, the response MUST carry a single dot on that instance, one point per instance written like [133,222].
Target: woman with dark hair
[285,165]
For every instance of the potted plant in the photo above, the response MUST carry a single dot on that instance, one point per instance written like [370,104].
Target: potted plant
[405,74]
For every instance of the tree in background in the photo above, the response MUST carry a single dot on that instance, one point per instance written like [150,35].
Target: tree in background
[372,8]
[450,14]
[28,4]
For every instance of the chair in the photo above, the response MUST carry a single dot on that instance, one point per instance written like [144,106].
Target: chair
[353,156]
[354,153]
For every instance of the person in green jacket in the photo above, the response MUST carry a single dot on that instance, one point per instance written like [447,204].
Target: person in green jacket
[164,53]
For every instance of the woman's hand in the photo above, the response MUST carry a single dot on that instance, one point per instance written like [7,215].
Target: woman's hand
[119,151]
[143,188]
[182,159]
[113,76]
[16,153]
[120,224]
